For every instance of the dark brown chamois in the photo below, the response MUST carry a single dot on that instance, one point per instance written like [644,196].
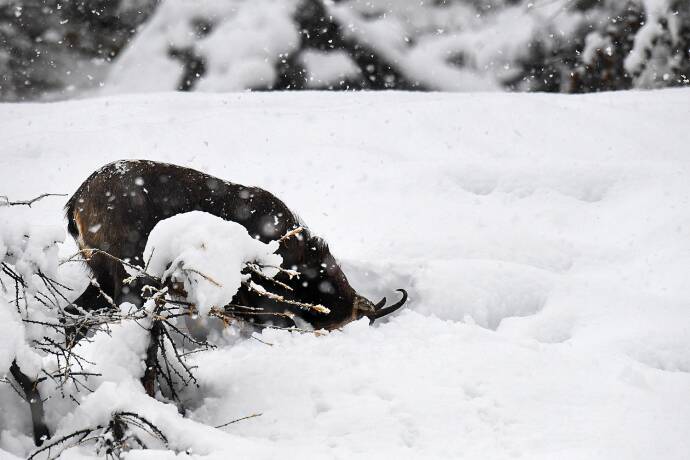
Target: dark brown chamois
[116,208]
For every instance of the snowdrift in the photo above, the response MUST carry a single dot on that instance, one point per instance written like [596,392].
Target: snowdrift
[545,242]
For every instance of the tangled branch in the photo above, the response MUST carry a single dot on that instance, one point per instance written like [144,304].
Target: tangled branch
[167,368]
[111,440]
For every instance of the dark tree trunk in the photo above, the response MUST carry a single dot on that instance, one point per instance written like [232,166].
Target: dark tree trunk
[150,374]
[30,389]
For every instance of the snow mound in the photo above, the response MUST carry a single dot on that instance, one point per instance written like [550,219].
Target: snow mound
[116,354]
[207,255]
[28,246]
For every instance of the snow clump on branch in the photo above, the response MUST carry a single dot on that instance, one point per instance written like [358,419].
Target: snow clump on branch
[207,255]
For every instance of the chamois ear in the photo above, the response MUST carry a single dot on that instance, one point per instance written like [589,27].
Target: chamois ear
[317,245]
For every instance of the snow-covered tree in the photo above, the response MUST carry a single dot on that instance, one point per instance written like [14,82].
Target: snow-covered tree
[454,45]
[448,45]
[48,47]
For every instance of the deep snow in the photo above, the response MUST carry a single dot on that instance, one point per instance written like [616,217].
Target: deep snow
[544,239]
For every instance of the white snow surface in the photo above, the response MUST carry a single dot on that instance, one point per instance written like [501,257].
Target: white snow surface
[207,255]
[544,240]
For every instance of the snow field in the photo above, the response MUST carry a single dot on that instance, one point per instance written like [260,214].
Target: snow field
[544,240]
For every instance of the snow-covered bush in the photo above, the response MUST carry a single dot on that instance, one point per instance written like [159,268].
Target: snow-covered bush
[29,304]
[196,263]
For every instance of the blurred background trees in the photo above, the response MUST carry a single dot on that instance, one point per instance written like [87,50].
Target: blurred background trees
[63,48]
[60,46]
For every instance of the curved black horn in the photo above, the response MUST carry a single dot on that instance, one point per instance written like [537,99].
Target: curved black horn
[380,305]
[381,312]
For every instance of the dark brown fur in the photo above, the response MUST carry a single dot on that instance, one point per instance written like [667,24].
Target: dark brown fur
[116,208]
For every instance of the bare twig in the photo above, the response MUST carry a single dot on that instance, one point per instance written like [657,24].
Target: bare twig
[4,201]
[239,420]
[291,233]
[204,276]
[87,253]
[261,275]
[279,298]
[61,440]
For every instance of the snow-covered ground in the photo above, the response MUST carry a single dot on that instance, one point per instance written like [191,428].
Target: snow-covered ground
[544,240]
